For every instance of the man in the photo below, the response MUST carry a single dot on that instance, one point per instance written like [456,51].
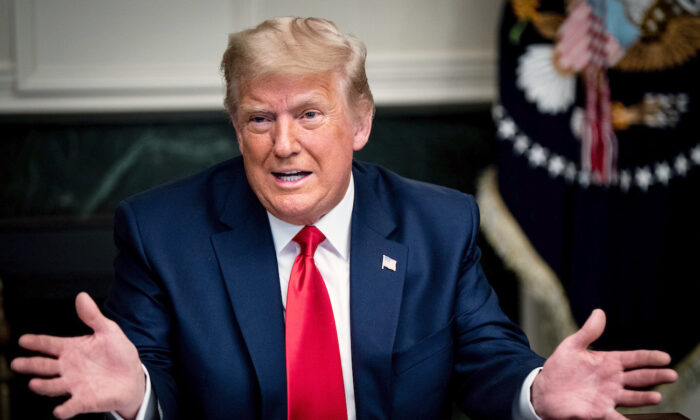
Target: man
[229,282]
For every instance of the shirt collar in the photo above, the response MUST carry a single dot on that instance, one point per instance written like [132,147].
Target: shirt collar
[335,225]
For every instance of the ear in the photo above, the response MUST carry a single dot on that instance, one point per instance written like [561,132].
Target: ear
[363,126]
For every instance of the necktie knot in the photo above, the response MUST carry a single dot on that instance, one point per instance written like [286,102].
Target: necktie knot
[308,239]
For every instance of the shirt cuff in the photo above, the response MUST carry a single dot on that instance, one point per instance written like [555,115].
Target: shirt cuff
[144,413]
[522,406]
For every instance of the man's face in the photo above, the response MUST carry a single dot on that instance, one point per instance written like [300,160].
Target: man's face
[297,136]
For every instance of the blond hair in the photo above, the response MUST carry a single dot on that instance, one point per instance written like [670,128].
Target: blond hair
[289,46]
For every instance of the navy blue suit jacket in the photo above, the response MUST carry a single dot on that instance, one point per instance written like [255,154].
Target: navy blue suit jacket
[197,291]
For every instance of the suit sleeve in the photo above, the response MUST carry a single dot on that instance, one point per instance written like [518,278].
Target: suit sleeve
[492,355]
[139,304]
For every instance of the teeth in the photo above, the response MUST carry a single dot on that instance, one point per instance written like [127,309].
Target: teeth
[291,176]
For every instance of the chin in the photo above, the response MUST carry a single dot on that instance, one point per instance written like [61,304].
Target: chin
[295,216]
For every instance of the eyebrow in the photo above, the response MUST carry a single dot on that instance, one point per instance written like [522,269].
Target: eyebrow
[253,109]
[302,101]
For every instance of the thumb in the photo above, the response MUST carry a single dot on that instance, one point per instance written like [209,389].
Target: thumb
[89,313]
[591,330]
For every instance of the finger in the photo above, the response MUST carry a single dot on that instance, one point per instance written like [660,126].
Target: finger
[89,313]
[614,415]
[41,366]
[46,344]
[591,330]
[649,377]
[642,358]
[68,409]
[50,387]
[630,398]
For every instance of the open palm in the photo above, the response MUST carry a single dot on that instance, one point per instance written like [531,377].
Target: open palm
[576,382]
[101,371]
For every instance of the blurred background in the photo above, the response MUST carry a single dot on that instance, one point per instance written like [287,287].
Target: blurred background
[102,99]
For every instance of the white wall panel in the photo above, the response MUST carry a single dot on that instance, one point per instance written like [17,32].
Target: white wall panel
[5,33]
[125,45]
[419,51]
[396,26]
[134,55]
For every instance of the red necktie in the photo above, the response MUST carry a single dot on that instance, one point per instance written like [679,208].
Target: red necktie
[314,375]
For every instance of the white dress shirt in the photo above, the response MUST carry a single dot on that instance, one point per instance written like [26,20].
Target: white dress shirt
[332,259]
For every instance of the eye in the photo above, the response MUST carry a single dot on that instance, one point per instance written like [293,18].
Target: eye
[259,123]
[258,119]
[310,115]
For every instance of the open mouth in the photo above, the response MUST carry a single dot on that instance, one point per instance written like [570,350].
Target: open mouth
[291,176]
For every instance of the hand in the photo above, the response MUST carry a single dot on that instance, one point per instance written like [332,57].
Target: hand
[579,383]
[101,372]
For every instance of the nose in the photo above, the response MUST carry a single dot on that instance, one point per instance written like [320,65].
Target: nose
[286,142]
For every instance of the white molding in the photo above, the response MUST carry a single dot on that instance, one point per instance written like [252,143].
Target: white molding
[109,104]
[395,80]
[23,22]
[6,78]
[34,84]
[430,78]
[37,77]
[54,80]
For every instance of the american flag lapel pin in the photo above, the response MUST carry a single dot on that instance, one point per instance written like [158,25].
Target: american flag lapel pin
[388,263]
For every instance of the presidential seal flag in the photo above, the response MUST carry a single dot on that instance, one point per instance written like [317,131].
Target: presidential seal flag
[594,200]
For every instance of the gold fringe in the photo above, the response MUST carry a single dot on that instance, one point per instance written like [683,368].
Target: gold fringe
[677,44]
[622,117]
[546,23]
[525,9]
[540,284]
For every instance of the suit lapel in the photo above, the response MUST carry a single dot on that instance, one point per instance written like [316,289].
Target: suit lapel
[248,263]
[375,299]
[249,266]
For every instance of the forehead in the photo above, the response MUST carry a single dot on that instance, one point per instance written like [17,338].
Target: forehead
[290,89]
